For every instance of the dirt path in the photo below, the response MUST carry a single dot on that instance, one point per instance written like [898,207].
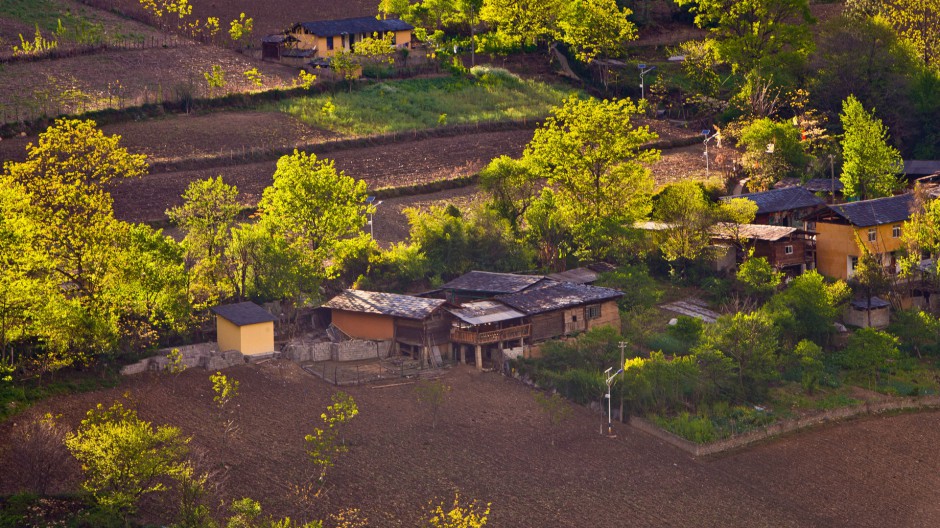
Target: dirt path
[492,443]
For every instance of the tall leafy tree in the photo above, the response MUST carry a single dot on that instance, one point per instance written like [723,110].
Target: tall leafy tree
[761,35]
[916,21]
[597,163]
[871,166]
[317,210]
[512,185]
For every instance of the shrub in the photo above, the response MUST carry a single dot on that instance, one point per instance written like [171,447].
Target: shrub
[691,427]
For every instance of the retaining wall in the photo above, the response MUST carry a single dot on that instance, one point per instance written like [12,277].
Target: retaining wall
[352,350]
[787,426]
[202,355]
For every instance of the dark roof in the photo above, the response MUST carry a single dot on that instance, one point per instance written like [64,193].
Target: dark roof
[876,302]
[243,313]
[556,297]
[391,304]
[326,28]
[879,211]
[921,167]
[278,38]
[489,282]
[786,199]
[769,233]
[814,185]
[578,275]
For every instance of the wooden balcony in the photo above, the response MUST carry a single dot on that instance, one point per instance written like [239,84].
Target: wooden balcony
[471,337]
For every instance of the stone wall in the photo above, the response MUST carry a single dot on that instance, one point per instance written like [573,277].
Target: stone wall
[301,350]
[201,355]
[844,413]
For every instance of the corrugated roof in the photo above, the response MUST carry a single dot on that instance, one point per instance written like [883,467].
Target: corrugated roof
[243,313]
[391,304]
[576,275]
[876,212]
[752,231]
[556,297]
[483,312]
[489,282]
[777,200]
[368,25]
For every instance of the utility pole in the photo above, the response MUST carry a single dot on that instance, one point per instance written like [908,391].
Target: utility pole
[643,71]
[622,345]
[610,380]
[708,138]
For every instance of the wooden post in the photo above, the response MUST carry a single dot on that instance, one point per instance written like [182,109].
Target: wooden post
[479,357]
[462,351]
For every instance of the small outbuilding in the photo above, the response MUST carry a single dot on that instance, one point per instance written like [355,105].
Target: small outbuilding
[874,312]
[245,327]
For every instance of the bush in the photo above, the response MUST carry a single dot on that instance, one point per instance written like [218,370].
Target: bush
[691,427]
[578,385]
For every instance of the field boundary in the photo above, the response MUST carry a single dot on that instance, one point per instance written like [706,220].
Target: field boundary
[786,426]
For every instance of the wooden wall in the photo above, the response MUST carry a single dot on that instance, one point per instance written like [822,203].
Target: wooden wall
[364,326]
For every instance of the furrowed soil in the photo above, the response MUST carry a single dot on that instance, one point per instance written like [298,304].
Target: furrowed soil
[492,443]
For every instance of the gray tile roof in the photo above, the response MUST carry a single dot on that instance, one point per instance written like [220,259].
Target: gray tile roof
[392,304]
[921,167]
[879,211]
[556,297]
[368,25]
[489,282]
[243,313]
[483,312]
[777,200]
[578,275]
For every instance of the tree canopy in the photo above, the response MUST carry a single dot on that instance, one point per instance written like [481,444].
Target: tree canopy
[871,166]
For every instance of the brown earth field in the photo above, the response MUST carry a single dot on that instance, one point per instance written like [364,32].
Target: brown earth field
[492,443]
[270,16]
[136,75]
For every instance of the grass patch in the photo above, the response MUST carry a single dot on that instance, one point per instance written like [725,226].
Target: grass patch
[45,13]
[412,104]
[17,397]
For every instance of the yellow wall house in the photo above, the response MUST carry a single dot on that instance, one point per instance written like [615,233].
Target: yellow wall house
[875,223]
[245,327]
[326,37]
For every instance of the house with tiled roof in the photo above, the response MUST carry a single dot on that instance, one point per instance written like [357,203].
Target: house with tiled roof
[416,326]
[788,249]
[565,308]
[842,230]
[476,285]
[785,207]
[326,37]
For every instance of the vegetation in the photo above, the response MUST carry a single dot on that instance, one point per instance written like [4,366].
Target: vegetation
[871,166]
[396,106]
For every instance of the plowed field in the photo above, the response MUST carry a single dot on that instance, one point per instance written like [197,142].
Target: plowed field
[492,443]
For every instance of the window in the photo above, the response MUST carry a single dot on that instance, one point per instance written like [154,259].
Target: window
[853,263]
[394,39]
[329,42]
[788,250]
[872,234]
[594,311]
[896,231]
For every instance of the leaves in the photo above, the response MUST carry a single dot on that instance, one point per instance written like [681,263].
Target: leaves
[871,166]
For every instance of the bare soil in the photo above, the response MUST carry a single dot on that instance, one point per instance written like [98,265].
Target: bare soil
[409,162]
[492,443]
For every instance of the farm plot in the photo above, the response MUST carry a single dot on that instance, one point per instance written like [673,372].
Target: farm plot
[398,164]
[271,16]
[492,443]
[122,78]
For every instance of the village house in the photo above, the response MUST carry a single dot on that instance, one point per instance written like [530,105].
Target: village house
[565,308]
[877,224]
[245,327]
[417,326]
[787,249]
[326,37]
[831,189]
[476,285]
[785,207]
[489,329]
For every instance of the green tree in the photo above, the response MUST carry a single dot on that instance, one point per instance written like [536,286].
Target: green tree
[917,330]
[215,78]
[240,28]
[759,278]
[871,166]
[325,444]
[512,186]
[750,339]
[596,161]
[318,211]
[547,232]
[808,307]
[761,35]
[809,355]
[773,150]
[918,23]
[225,391]
[921,236]
[206,217]
[432,395]
[868,352]
[556,409]
[685,208]
[124,457]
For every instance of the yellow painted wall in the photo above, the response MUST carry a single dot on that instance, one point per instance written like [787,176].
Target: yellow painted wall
[836,242]
[307,41]
[257,338]
[364,326]
[228,335]
[248,339]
